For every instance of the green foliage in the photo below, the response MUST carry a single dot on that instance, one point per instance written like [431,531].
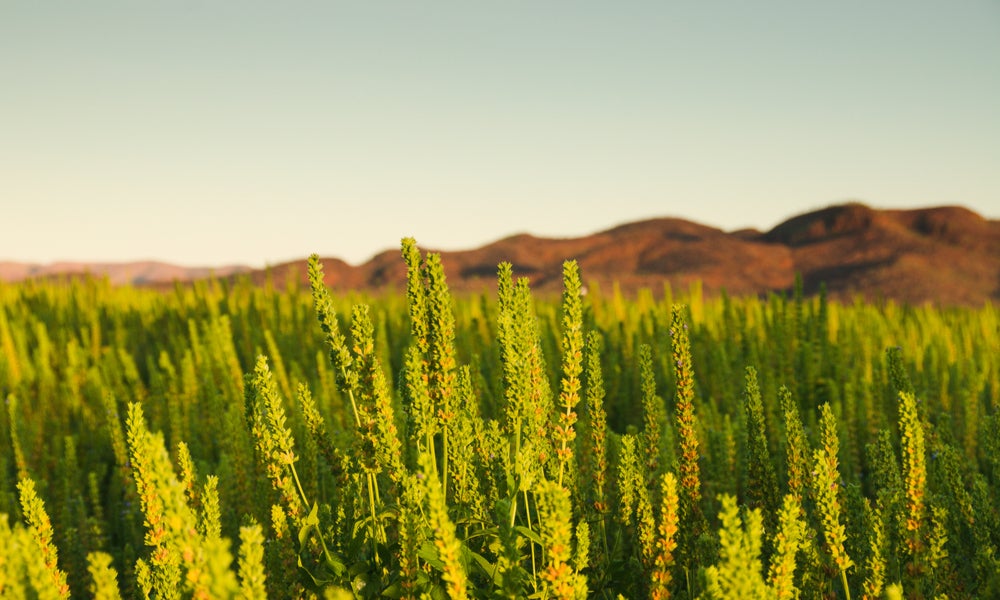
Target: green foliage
[572,365]
[761,483]
[251,566]
[225,440]
[661,572]
[914,474]
[826,487]
[654,417]
[53,583]
[556,530]
[104,584]
[787,540]
[738,572]
[446,542]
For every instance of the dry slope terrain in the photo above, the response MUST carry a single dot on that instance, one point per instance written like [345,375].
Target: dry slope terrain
[946,255]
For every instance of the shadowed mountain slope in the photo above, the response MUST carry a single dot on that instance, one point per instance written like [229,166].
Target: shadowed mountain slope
[945,255]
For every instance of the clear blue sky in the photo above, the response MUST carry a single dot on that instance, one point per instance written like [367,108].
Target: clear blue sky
[210,132]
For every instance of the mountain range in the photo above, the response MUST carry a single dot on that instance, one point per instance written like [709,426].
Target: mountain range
[945,255]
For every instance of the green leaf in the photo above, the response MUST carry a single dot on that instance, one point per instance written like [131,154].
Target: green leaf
[310,522]
[489,569]
[531,535]
[429,553]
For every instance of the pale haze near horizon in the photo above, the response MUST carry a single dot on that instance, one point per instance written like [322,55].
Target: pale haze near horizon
[212,133]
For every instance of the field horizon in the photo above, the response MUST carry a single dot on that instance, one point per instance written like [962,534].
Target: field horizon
[945,255]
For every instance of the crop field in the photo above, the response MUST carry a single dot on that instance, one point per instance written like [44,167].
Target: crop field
[229,441]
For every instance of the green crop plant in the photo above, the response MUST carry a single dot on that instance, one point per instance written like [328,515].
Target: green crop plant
[761,484]
[826,486]
[661,572]
[53,583]
[914,474]
[104,578]
[563,429]
[230,440]
[654,417]
[787,540]
[738,571]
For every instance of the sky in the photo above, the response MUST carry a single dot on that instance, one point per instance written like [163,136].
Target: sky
[216,132]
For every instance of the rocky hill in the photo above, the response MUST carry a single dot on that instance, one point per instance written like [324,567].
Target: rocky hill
[946,255]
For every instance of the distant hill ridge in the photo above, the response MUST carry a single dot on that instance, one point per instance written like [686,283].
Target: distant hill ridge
[137,273]
[946,255]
